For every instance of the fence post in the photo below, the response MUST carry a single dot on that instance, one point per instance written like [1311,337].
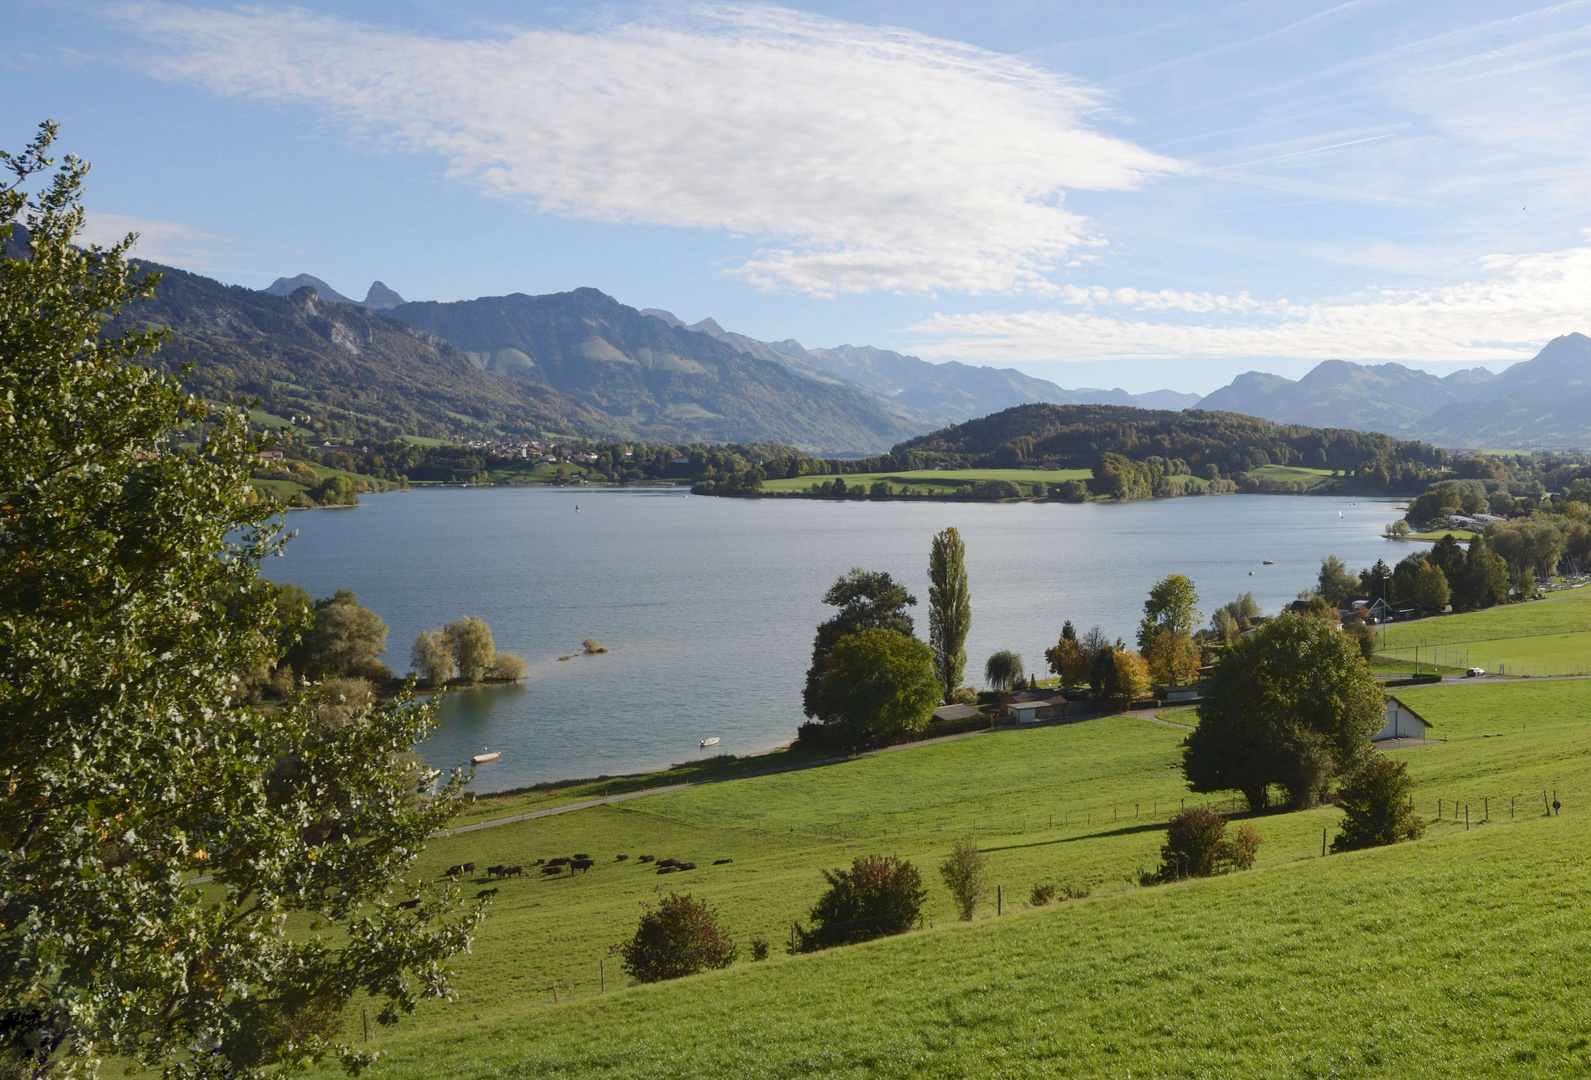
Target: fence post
[364,1018]
[1511,799]
[1488,804]
[999,899]
[602,975]
[1466,817]
[1322,843]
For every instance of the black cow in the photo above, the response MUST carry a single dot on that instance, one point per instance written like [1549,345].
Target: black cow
[513,871]
[620,858]
[721,862]
[668,870]
[409,905]
[496,871]
[668,862]
[552,869]
[687,866]
[648,858]
[581,865]
[454,871]
[469,868]
[484,893]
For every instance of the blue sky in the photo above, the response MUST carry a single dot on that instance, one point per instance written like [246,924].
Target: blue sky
[1140,195]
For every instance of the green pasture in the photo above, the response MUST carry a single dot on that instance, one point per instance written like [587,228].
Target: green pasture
[422,440]
[1540,637]
[1310,478]
[1465,947]
[935,481]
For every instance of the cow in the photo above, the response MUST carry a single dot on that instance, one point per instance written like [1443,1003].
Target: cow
[469,868]
[496,871]
[513,871]
[648,858]
[557,862]
[721,862]
[409,905]
[687,866]
[454,870]
[668,870]
[581,865]
[668,862]
[552,869]
[484,893]
[620,858]
[582,855]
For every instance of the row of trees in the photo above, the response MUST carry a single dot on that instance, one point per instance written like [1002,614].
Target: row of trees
[463,651]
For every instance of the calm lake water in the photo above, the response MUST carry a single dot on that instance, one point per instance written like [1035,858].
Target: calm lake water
[708,605]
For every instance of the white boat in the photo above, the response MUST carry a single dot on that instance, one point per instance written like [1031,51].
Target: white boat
[482,759]
[711,741]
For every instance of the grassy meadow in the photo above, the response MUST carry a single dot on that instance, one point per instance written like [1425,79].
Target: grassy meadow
[935,481]
[1296,474]
[1543,637]
[1466,945]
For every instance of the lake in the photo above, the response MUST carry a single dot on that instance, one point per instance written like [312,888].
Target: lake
[708,605]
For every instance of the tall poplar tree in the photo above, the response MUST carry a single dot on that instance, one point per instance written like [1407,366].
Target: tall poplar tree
[188,883]
[949,608]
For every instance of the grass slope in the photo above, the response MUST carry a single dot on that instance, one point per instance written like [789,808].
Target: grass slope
[1546,637]
[1382,937]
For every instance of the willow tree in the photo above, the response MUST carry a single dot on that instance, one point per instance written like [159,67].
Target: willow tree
[949,609]
[158,837]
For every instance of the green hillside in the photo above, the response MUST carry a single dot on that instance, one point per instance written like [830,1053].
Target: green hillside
[1388,963]
[933,481]
[1546,637]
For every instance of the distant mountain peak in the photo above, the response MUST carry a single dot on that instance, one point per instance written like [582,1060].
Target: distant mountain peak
[285,286]
[381,298]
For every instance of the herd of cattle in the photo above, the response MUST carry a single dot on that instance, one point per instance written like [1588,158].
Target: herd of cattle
[577,864]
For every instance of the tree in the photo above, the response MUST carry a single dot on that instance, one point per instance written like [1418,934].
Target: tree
[1483,581]
[345,638]
[878,896]
[473,649]
[1067,660]
[1117,677]
[1430,589]
[1335,583]
[1171,657]
[432,658]
[1292,704]
[1003,670]
[1171,607]
[963,874]
[679,937]
[949,608]
[867,600]
[877,683]
[509,666]
[1375,805]
[1377,581]
[130,610]
[1197,846]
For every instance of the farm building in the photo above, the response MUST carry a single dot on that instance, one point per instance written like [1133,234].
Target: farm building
[1402,722]
[1029,706]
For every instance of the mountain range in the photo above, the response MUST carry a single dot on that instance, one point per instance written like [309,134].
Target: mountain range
[1544,402]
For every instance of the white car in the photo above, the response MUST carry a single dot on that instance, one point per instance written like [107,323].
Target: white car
[1474,673]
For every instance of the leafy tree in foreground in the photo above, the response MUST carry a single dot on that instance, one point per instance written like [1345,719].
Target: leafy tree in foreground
[949,608]
[1003,670]
[963,874]
[130,614]
[1293,703]
[1375,806]
[878,896]
[867,600]
[679,937]
[878,683]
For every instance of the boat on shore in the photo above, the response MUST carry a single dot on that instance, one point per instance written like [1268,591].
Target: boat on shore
[710,741]
[482,759]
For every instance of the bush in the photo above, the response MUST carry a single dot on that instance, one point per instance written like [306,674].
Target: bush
[964,695]
[878,896]
[681,936]
[509,666]
[1197,846]
[1042,895]
[1375,805]
[1071,491]
[473,649]
[759,949]
[963,874]
[432,658]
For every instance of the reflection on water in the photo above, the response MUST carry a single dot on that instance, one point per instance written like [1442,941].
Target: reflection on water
[708,605]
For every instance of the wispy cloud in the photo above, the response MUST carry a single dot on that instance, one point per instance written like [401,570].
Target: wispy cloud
[1513,305]
[158,241]
[856,158]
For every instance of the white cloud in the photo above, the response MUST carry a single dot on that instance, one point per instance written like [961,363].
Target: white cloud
[858,158]
[158,241]
[1515,304]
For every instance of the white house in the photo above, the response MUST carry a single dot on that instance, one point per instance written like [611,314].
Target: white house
[1402,722]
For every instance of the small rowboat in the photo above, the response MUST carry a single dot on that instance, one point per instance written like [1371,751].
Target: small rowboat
[712,741]
[482,759]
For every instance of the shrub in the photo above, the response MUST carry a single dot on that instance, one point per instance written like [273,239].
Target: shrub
[1375,805]
[963,874]
[878,896]
[964,695]
[1041,490]
[679,937]
[1197,846]
[759,948]
[1042,895]
[593,647]
[509,666]
[1072,491]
